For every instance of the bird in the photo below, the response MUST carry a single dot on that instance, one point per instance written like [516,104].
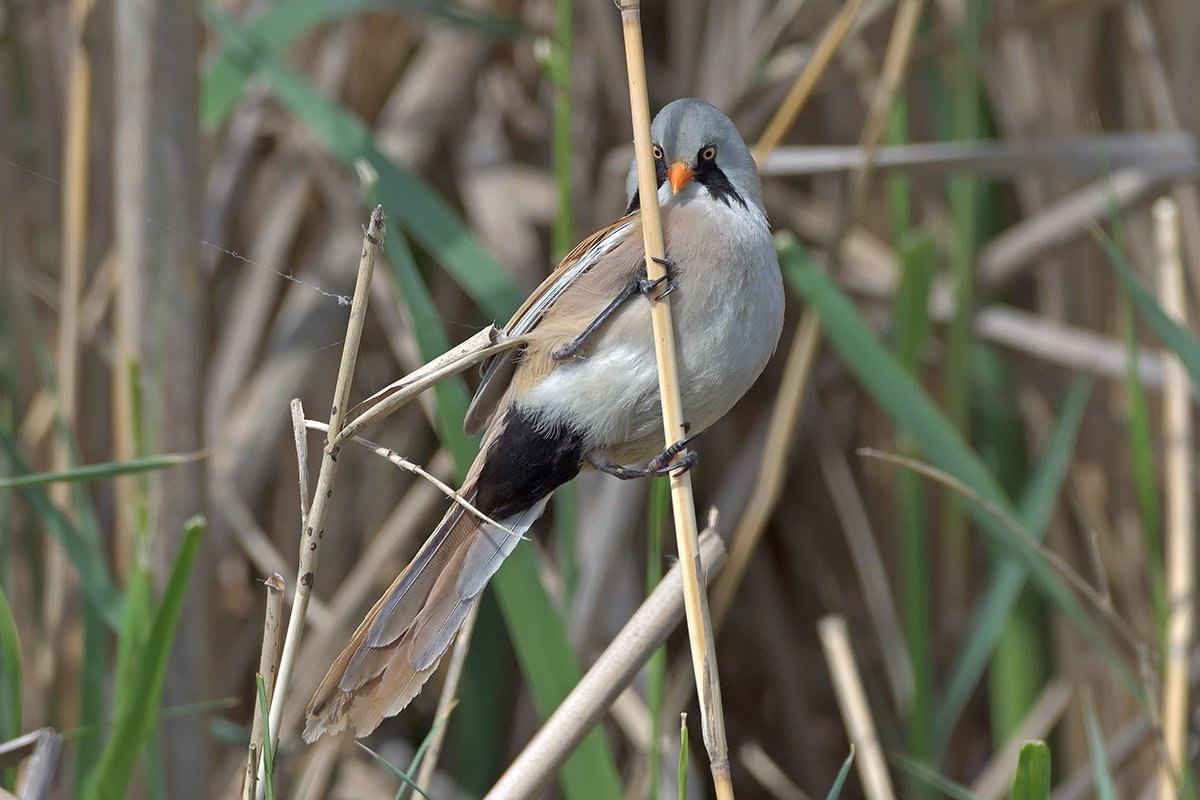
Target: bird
[581,393]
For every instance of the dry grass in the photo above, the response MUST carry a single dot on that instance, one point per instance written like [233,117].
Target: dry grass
[214,259]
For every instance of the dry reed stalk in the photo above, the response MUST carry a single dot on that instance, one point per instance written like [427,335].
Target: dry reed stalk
[798,95]
[856,712]
[764,769]
[1179,520]
[1156,91]
[480,347]
[873,578]
[703,644]
[75,187]
[785,415]
[1018,248]
[1077,348]
[895,64]
[1068,156]
[608,676]
[157,325]
[76,157]
[1070,346]
[268,664]
[132,92]
[392,457]
[41,748]
[313,529]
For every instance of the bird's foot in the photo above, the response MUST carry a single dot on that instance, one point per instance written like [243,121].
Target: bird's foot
[650,285]
[660,466]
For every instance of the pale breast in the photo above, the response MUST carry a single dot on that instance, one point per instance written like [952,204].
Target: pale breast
[728,313]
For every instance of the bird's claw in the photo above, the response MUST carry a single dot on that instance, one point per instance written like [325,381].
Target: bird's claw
[646,286]
[659,467]
[669,266]
[661,464]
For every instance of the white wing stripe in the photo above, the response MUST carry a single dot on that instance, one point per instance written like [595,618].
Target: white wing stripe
[534,313]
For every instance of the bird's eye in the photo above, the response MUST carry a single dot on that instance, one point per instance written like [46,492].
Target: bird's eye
[708,153]
[658,153]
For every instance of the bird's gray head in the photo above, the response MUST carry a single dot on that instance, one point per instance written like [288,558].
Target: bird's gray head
[698,151]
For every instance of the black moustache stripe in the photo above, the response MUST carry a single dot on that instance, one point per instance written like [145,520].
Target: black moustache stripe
[718,185]
[709,175]
[660,174]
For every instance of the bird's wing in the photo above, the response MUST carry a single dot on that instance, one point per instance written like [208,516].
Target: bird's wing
[498,372]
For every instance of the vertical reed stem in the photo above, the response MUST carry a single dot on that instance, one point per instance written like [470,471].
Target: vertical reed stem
[1180,515]
[313,530]
[704,661]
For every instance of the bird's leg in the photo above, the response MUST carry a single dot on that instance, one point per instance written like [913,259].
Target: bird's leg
[639,284]
[659,466]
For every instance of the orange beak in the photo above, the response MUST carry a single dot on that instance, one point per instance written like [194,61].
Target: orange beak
[679,174]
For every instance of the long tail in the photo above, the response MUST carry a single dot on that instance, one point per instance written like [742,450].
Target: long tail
[402,639]
[400,642]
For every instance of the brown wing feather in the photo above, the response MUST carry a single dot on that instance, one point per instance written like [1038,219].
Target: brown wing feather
[568,260]
[499,371]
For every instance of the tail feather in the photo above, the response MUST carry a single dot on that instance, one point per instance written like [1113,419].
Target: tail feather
[398,646]
[460,584]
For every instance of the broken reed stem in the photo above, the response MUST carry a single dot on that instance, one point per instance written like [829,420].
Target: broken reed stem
[268,663]
[40,750]
[313,529]
[704,661]
[300,438]
[1180,550]
[856,712]
[480,347]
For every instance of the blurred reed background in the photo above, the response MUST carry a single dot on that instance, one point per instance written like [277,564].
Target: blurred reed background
[181,210]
